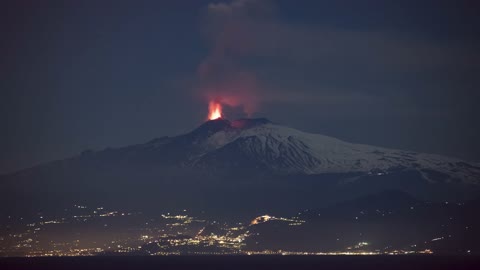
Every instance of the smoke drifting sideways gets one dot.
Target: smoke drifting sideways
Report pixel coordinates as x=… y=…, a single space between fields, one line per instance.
x=222 y=78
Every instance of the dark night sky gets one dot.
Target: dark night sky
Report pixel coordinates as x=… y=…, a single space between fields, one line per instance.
x=87 y=75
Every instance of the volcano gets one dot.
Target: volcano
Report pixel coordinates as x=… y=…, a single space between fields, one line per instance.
x=242 y=165
x=277 y=149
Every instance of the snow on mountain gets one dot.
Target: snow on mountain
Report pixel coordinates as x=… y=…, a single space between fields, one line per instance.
x=254 y=146
x=238 y=163
x=282 y=149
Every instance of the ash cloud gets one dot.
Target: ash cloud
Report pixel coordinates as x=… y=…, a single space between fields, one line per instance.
x=258 y=56
x=228 y=28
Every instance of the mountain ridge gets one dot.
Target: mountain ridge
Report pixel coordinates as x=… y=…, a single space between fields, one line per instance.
x=233 y=166
x=280 y=149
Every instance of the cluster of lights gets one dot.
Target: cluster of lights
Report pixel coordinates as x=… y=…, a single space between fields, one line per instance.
x=230 y=240
x=266 y=218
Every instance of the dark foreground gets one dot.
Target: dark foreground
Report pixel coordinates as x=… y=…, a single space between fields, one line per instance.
x=246 y=262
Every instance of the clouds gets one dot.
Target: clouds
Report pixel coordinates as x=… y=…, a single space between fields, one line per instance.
x=391 y=73
x=384 y=69
x=369 y=53
x=257 y=9
x=221 y=75
x=287 y=61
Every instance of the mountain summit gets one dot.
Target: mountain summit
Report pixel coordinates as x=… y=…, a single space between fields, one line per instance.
x=243 y=143
x=244 y=158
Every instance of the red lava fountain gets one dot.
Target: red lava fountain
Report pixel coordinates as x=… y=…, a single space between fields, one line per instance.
x=214 y=110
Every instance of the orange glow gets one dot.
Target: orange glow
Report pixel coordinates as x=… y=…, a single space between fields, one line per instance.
x=214 y=110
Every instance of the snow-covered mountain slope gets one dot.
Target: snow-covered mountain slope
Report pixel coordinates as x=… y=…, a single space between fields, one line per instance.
x=251 y=146
x=245 y=165
x=260 y=143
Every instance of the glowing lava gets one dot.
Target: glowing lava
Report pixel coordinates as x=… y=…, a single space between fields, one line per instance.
x=214 y=110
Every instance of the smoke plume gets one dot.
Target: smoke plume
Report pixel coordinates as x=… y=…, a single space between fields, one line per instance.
x=228 y=30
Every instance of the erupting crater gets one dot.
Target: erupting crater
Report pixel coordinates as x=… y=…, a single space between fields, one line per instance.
x=214 y=110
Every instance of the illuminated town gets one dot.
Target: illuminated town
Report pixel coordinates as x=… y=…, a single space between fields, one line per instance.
x=93 y=231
